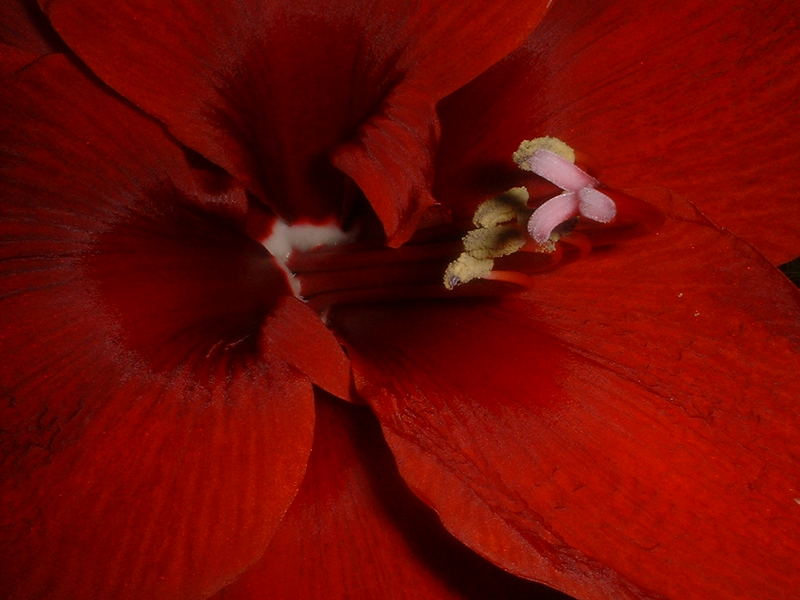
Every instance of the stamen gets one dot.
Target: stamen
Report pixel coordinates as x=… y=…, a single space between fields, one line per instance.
x=551 y=214
x=560 y=172
x=554 y=145
x=580 y=198
x=466 y=268
x=498 y=233
x=501 y=222
x=493 y=242
x=596 y=205
x=508 y=206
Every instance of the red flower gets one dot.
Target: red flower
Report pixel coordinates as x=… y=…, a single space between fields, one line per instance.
x=624 y=428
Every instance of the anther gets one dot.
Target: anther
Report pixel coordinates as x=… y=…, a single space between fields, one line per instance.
x=501 y=222
x=493 y=242
x=580 y=197
x=511 y=205
x=466 y=268
x=528 y=147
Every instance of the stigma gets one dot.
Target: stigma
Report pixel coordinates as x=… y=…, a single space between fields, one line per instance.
x=506 y=224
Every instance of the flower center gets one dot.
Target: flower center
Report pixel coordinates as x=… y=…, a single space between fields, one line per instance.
x=512 y=238
x=327 y=266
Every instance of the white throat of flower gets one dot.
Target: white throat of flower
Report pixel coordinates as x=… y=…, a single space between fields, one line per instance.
x=285 y=239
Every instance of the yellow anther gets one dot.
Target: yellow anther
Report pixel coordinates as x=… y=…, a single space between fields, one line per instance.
x=466 y=268
x=512 y=205
x=493 y=242
x=554 y=145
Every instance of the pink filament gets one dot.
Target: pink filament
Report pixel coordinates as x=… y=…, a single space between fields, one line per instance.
x=596 y=205
x=579 y=198
x=559 y=171
x=551 y=214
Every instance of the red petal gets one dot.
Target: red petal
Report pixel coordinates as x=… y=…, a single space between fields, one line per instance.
x=626 y=431
x=149 y=450
x=269 y=90
x=24 y=27
x=13 y=59
x=25 y=35
x=355 y=531
x=696 y=97
x=295 y=334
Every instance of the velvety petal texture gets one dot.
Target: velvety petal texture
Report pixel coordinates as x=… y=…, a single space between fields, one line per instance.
x=23 y=26
x=152 y=436
x=25 y=35
x=295 y=333
x=696 y=98
x=272 y=90
x=627 y=429
x=355 y=531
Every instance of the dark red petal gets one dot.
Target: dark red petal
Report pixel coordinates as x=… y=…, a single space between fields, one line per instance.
x=355 y=531
x=149 y=450
x=270 y=90
x=25 y=35
x=12 y=59
x=628 y=430
x=23 y=26
x=696 y=97
x=296 y=334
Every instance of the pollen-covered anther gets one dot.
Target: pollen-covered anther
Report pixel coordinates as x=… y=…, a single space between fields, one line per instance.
x=501 y=222
x=552 y=144
x=466 y=268
x=499 y=231
x=511 y=205
x=493 y=242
